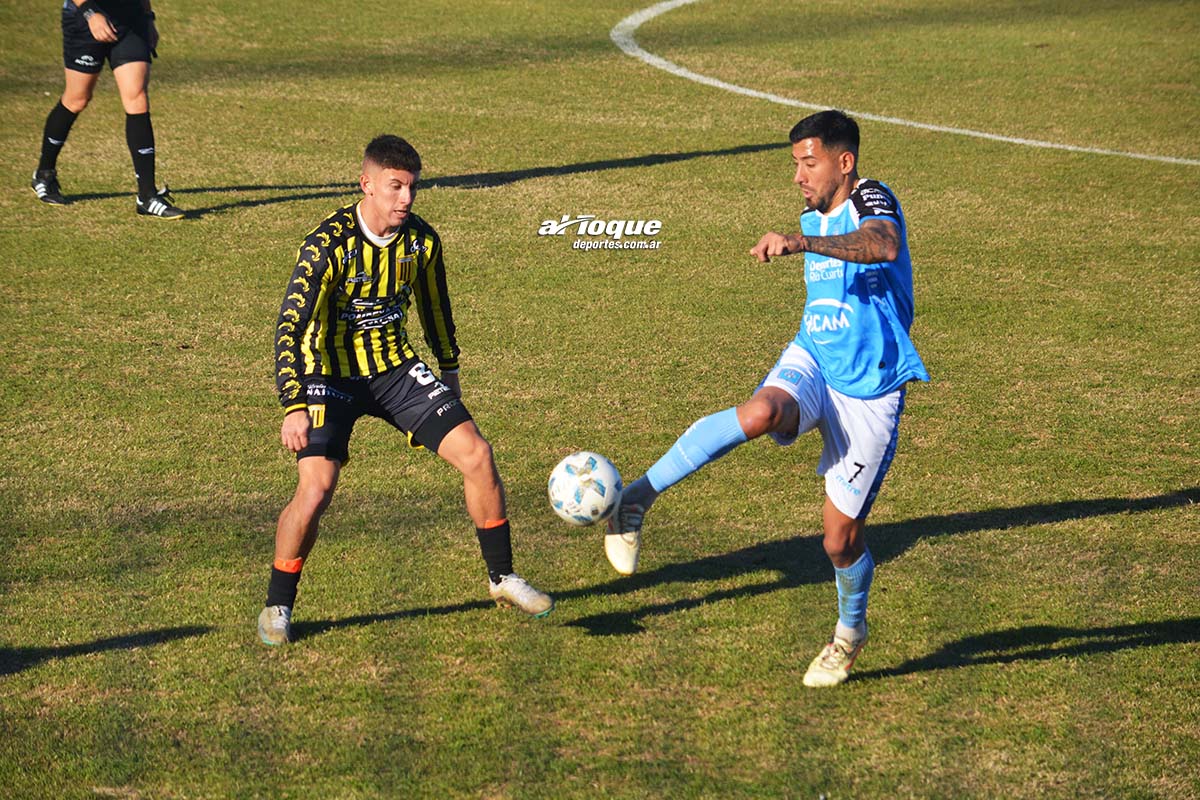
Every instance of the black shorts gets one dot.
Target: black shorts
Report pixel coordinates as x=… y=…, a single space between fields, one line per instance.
x=409 y=397
x=82 y=53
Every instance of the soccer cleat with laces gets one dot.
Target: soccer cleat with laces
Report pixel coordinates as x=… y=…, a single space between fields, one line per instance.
x=513 y=590
x=160 y=205
x=45 y=185
x=832 y=665
x=275 y=625
x=623 y=541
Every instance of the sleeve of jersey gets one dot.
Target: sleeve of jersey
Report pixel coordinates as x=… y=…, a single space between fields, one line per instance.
x=433 y=303
x=302 y=296
x=872 y=199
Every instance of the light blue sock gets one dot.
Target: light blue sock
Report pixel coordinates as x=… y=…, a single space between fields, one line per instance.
x=853 y=583
x=707 y=440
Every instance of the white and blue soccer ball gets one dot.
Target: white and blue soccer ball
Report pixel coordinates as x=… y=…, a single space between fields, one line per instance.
x=585 y=488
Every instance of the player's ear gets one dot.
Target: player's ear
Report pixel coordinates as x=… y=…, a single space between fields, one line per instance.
x=847 y=161
x=364 y=182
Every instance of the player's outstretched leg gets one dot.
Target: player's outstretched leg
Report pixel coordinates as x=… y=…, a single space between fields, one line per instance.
x=706 y=440
x=467 y=451
x=770 y=410
x=853 y=568
x=295 y=536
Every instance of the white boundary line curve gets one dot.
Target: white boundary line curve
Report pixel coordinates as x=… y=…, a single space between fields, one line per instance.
x=622 y=36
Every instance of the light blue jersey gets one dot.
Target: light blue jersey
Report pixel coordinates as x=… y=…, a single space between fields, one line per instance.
x=857 y=316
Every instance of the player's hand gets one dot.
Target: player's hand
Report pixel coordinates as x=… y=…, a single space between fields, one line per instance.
x=774 y=244
x=102 y=30
x=451 y=380
x=294 y=432
x=152 y=32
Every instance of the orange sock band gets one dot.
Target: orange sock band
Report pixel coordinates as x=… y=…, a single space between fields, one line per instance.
x=289 y=565
x=494 y=523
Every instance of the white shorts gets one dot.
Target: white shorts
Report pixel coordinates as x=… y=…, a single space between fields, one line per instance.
x=859 y=435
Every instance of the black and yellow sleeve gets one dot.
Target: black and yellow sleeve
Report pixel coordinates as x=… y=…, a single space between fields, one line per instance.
x=433 y=304
x=304 y=293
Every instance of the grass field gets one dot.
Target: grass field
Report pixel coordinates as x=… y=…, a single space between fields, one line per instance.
x=1036 y=610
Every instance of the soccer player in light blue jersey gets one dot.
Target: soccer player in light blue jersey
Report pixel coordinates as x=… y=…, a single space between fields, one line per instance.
x=843 y=374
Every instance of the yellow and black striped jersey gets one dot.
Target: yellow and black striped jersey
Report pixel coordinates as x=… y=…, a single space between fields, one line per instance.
x=346 y=305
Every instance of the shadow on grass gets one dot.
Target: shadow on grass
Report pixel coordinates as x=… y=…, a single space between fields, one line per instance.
x=801 y=560
x=1043 y=642
x=15 y=659
x=301 y=630
x=479 y=180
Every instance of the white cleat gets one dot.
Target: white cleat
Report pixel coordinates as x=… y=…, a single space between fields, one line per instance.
x=513 y=590
x=275 y=625
x=832 y=666
x=623 y=541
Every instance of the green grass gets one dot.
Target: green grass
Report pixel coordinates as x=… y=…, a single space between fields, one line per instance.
x=1035 y=618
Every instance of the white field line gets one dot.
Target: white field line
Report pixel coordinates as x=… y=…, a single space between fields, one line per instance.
x=622 y=35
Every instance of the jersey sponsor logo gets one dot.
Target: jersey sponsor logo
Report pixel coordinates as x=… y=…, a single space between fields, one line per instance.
x=321 y=391
x=817 y=323
x=877 y=200
x=829 y=269
x=370 y=314
x=351 y=254
x=412 y=247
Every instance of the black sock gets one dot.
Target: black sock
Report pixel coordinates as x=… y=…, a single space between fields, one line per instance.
x=58 y=125
x=139 y=135
x=282 y=589
x=496 y=545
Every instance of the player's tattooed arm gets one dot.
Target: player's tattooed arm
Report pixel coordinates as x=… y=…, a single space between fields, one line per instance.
x=876 y=241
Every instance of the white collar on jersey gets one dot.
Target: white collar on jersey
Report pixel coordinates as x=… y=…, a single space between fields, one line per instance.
x=377 y=240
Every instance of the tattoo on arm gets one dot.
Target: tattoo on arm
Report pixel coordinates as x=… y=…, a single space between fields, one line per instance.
x=876 y=241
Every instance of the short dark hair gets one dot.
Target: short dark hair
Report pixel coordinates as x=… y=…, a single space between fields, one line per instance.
x=392 y=152
x=832 y=127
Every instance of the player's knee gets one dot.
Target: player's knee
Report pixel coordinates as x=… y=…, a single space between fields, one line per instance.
x=138 y=103
x=478 y=459
x=76 y=102
x=313 y=496
x=842 y=544
x=758 y=417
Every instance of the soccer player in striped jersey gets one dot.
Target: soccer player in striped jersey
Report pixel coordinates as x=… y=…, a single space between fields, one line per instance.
x=342 y=351
x=122 y=32
x=844 y=373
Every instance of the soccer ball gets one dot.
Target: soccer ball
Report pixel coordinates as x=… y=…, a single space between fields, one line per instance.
x=584 y=488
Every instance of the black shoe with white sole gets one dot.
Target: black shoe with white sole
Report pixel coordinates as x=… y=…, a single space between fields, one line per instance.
x=160 y=205
x=45 y=185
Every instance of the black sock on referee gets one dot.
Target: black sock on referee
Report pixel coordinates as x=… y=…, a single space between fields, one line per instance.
x=139 y=135
x=54 y=136
x=495 y=542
